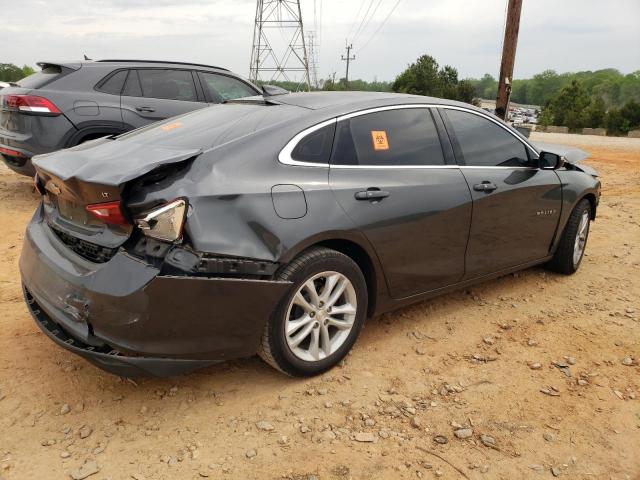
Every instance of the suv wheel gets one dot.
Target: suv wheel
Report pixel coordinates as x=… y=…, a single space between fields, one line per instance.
x=570 y=251
x=317 y=323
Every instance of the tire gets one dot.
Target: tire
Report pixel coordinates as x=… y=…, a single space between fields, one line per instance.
x=570 y=250
x=321 y=267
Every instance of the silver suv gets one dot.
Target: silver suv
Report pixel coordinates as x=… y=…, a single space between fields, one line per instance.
x=68 y=103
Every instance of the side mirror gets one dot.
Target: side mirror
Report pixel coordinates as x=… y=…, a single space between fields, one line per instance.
x=551 y=161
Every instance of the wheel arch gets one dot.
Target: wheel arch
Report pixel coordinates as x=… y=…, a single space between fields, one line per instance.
x=592 y=201
x=91 y=133
x=356 y=249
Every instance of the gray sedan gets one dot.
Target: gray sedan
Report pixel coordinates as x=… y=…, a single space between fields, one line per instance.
x=277 y=224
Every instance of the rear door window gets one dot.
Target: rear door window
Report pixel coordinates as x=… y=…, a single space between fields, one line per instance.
x=485 y=144
x=168 y=84
x=222 y=87
x=400 y=137
x=41 y=78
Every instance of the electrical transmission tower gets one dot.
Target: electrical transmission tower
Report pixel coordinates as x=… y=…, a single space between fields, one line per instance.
x=282 y=56
x=313 y=57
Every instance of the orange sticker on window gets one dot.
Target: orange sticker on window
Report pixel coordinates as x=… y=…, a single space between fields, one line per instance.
x=171 y=126
x=380 y=141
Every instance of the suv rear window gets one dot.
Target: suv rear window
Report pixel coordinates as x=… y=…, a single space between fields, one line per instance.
x=41 y=78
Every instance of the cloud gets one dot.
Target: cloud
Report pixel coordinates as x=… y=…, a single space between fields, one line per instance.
x=565 y=35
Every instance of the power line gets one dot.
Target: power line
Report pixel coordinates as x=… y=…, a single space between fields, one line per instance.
x=381 y=25
x=368 y=21
x=366 y=13
x=357 y=16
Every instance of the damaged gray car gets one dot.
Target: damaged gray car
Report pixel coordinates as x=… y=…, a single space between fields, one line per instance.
x=276 y=224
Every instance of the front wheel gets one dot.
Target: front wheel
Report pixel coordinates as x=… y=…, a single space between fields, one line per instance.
x=317 y=323
x=571 y=248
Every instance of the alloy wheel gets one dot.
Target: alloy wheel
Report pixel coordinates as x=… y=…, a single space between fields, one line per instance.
x=581 y=238
x=320 y=316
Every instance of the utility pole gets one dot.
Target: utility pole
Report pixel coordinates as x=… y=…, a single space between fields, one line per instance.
x=348 y=58
x=279 y=21
x=508 y=58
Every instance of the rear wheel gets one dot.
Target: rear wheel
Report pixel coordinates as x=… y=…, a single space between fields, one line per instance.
x=570 y=251
x=317 y=323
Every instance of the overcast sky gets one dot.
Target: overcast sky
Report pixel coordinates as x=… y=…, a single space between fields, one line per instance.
x=565 y=35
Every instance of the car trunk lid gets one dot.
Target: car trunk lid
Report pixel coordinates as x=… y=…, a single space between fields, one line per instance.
x=73 y=179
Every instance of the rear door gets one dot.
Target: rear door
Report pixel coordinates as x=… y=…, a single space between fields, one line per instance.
x=389 y=174
x=516 y=205
x=153 y=94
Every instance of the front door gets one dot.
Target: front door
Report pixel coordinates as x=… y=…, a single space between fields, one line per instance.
x=516 y=205
x=389 y=175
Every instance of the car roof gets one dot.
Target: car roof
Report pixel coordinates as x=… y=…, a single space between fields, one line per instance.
x=351 y=100
x=75 y=65
x=160 y=62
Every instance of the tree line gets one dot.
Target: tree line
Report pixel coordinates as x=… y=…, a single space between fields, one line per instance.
x=598 y=99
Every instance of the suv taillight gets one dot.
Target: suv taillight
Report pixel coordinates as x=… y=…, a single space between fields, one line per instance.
x=31 y=104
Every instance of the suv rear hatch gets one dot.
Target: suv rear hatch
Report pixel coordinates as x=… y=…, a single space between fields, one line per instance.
x=22 y=107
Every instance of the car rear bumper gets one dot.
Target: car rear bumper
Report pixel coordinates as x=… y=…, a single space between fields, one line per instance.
x=31 y=135
x=19 y=164
x=127 y=318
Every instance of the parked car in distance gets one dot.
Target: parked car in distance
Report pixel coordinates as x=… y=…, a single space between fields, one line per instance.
x=4 y=85
x=68 y=103
x=277 y=224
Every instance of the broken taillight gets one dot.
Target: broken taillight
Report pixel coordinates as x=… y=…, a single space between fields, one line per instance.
x=166 y=222
x=109 y=212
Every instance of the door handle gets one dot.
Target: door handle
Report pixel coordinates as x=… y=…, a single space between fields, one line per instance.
x=485 y=187
x=371 y=194
x=145 y=109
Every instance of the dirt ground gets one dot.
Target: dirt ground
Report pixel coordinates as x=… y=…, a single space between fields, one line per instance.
x=481 y=359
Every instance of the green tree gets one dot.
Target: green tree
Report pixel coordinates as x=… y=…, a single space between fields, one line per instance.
x=12 y=73
x=614 y=122
x=546 y=117
x=425 y=77
x=631 y=113
x=486 y=87
x=594 y=114
x=569 y=104
x=420 y=78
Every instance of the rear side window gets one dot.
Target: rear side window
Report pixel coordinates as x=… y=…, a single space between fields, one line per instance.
x=163 y=84
x=315 y=147
x=41 y=78
x=113 y=83
x=389 y=138
x=222 y=87
x=485 y=144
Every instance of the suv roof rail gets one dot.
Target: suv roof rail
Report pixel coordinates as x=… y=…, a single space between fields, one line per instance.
x=163 y=61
